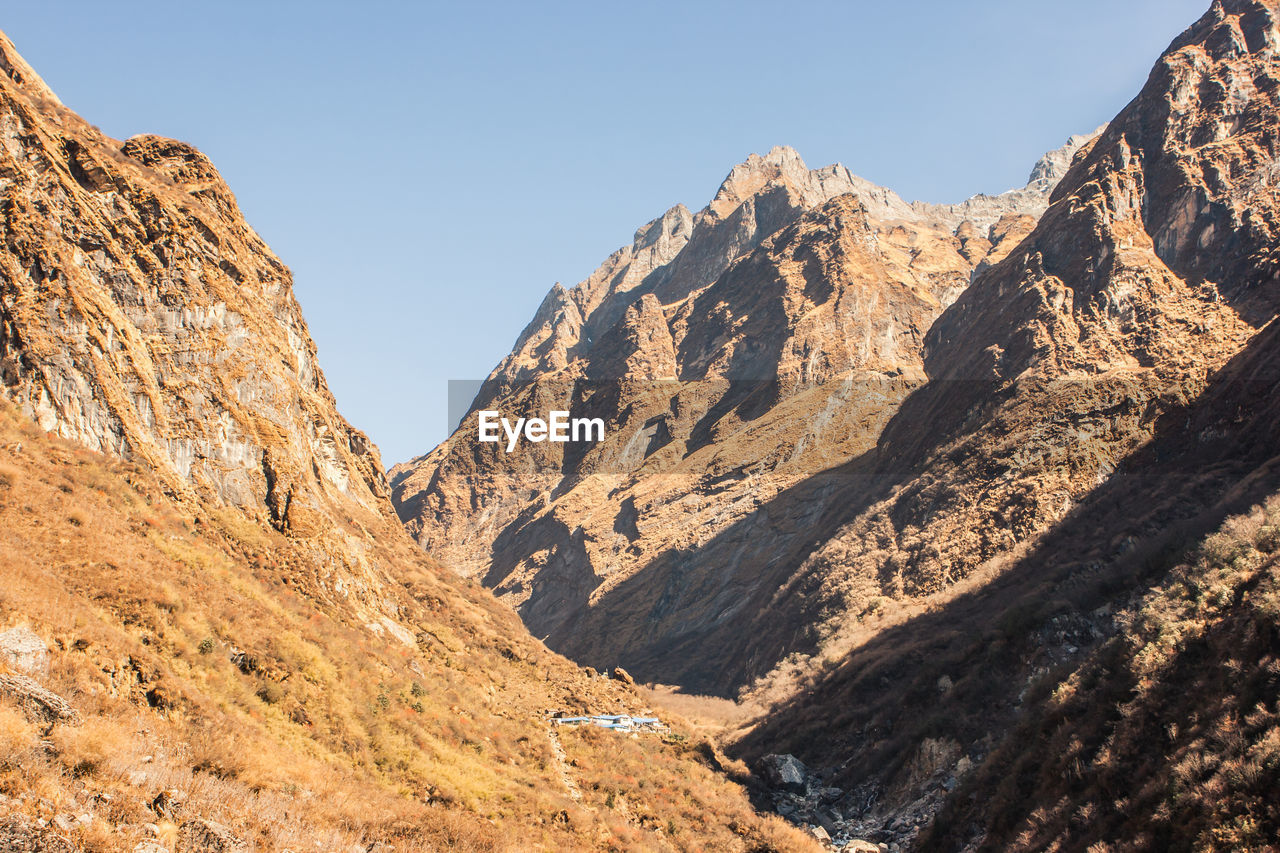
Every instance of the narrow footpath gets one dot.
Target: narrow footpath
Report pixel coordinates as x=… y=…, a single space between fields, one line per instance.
x=562 y=763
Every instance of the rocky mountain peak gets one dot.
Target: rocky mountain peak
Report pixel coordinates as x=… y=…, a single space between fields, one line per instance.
x=781 y=169
x=187 y=167
x=789 y=283
x=744 y=180
x=674 y=226
x=1051 y=168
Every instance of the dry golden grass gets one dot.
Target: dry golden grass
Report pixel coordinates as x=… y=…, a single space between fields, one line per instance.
x=712 y=713
x=664 y=794
x=208 y=655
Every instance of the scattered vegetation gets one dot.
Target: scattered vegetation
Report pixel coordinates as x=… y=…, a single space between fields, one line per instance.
x=207 y=656
x=1114 y=687
x=1168 y=737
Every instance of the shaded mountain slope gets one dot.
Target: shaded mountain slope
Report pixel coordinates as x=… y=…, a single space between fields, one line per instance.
x=1056 y=364
x=1109 y=678
x=748 y=348
x=1070 y=693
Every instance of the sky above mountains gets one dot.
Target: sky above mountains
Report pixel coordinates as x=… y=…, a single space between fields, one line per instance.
x=429 y=170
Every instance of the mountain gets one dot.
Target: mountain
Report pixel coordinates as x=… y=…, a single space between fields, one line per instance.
x=214 y=632
x=1089 y=523
x=734 y=355
x=982 y=516
x=976 y=506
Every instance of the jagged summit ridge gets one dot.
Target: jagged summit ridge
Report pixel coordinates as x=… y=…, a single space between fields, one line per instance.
x=790 y=278
x=680 y=252
x=1052 y=167
x=783 y=164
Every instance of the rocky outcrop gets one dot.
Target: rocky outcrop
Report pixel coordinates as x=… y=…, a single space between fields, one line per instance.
x=785 y=772
x=20 y=836
x=732 y=354
x=140 y=315
x=205 y=836
x=23 y=650
x=36 y=702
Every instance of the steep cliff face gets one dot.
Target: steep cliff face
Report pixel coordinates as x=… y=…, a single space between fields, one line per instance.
x=733 y=355
x=141 y=316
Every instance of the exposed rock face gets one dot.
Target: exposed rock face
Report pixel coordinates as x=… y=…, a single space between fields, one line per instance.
x=23 y=650
x=680 y=253
x=19 y=836
x=141 y=316
x=206 y=836
x=35 y=701
x=733 y=354
x=785 y=772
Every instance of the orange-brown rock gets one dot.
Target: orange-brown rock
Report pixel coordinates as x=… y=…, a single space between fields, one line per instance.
x=733 y=355
x=141 y=316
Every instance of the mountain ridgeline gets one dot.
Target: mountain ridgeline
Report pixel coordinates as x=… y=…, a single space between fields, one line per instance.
x=735 y=356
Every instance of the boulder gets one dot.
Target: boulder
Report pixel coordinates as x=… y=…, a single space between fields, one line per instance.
x=205 y=836
x=785 y=772
x=242 y=660
x=168 y=803
x=18 y=836
x=860 y=845
x=36 y=702
x=23 y=650
x=622 y=675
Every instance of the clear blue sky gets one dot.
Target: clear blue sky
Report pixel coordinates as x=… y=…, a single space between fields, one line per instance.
x=428 y=170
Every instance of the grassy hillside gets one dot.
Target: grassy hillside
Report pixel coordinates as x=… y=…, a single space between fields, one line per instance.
x=192 y=646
